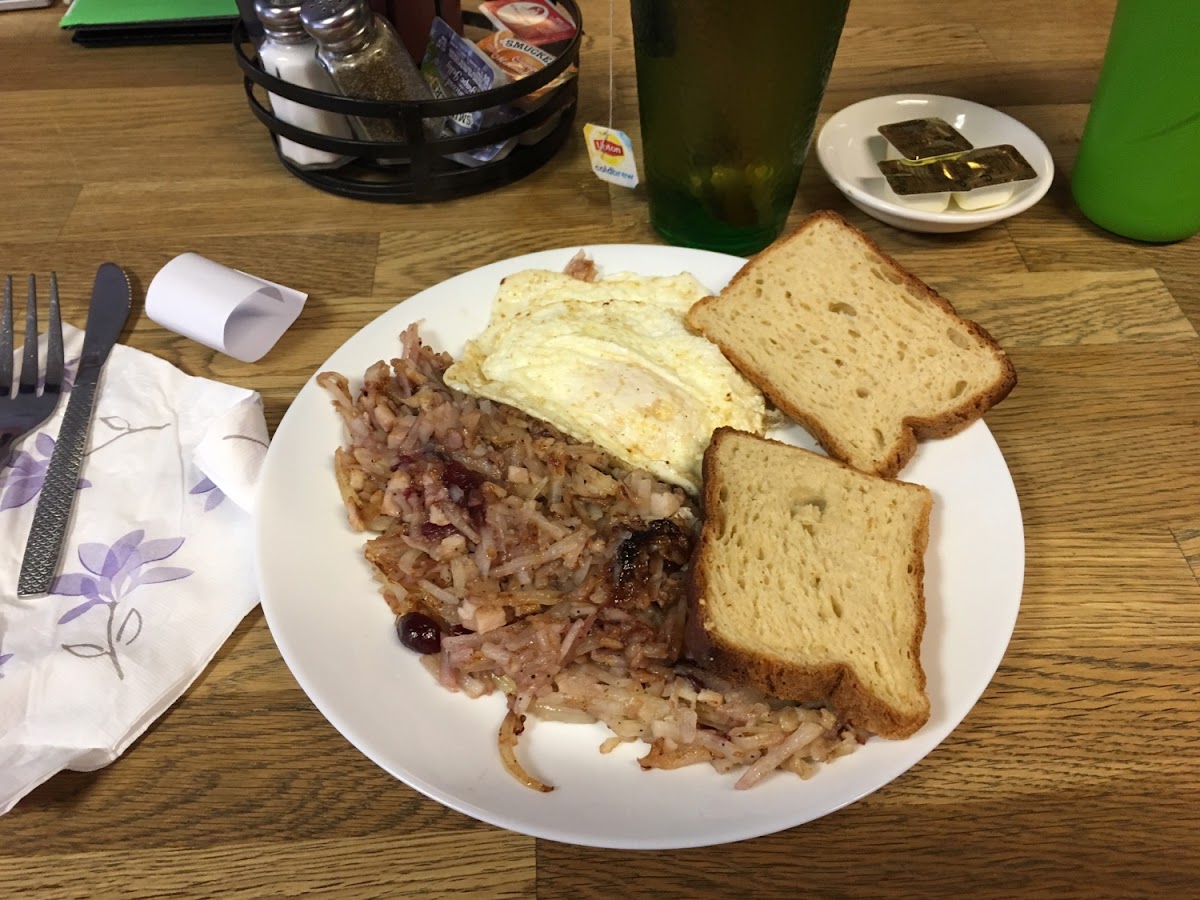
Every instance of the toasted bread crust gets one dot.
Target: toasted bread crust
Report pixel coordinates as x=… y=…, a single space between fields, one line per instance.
x=835 y=680
x=947 y=423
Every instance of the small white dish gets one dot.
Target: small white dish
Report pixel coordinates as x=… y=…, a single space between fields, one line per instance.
x=849 y=148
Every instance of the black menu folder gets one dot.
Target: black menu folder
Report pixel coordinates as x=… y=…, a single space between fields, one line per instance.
x=107 y=23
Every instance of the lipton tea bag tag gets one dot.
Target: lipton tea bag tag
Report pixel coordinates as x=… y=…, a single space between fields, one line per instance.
x=611 y=154
x=609 y=150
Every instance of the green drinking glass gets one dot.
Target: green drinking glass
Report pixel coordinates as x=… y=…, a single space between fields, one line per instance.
x=729 y=94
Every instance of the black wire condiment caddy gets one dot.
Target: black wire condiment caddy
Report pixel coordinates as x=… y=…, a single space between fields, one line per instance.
x=416 y=169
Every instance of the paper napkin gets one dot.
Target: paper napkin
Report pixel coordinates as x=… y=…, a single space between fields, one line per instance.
x=226 y=309
x=155 y=574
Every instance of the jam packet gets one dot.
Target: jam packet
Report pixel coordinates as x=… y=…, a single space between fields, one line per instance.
x=536 y=21
x=520 y=59
x=454 y=67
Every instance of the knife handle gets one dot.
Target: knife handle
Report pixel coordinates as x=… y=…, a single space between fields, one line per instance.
x=57 y=498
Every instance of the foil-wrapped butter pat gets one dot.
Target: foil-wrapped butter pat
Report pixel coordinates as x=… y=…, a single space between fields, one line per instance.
x=925 y=138
x=927 y=203
x=966 y=171
x=930 y=163
x=984 y=197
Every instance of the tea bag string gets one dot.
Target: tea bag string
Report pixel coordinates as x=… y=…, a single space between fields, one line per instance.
x=611 y=4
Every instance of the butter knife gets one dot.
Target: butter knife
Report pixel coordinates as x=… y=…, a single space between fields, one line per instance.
x=107 y=313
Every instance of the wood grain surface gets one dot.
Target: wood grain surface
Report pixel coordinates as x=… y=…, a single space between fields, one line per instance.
x=1078 y=772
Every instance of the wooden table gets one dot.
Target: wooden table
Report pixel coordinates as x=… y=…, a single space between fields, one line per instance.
x=1077 y=774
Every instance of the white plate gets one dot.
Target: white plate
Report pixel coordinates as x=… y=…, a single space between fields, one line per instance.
x=849 y=148
x=337 y=635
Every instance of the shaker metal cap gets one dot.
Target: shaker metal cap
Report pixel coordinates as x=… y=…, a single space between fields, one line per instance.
x=281 y=19
x=338 y=24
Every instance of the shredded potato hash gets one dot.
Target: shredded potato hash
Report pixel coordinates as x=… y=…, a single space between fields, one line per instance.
x=519 y=560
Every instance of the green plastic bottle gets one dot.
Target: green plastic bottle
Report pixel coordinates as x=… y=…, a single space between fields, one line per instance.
x=1138 y=169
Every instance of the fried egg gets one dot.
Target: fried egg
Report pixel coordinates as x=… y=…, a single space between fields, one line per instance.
x=612 y=363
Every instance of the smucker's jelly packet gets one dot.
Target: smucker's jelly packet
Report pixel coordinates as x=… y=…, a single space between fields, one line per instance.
x=536 y=21
x=519 y=59
x=454 y=67
x=924 y=138
x=964 y=171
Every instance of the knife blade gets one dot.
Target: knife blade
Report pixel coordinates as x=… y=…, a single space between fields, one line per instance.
x=107 y=312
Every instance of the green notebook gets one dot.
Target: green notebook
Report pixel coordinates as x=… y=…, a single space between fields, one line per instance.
x=108 y=22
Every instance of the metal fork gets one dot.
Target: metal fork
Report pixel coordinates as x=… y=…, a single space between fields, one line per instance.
x=25 y=410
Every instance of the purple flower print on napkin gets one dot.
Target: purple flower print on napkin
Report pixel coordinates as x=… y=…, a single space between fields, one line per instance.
x=215 y=495
x=112 y=574
x=22 y=479
x=4 y=657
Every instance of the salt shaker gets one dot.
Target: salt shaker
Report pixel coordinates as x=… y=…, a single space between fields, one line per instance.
x=288 y=53
x=365 y=58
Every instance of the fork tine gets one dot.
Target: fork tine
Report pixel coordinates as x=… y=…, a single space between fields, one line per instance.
x=6 y=339
x=29 y=362
x=54 y=344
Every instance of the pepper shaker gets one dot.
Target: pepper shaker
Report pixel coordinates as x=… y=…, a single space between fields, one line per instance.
x=288 y=53
x=365 y=59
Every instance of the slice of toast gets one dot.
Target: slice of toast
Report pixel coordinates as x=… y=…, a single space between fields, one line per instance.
x=807 y=581
x=847 y=343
